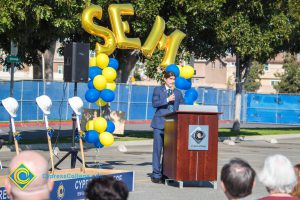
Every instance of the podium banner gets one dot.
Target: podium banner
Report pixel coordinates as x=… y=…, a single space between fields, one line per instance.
x=198 y=137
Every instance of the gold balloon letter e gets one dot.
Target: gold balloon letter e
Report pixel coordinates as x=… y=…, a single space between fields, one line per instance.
x=120 y=27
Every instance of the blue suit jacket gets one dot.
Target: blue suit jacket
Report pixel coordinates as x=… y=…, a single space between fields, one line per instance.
x=159 y=101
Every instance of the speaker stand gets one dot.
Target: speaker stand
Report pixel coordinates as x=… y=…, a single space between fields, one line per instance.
x=74 y=150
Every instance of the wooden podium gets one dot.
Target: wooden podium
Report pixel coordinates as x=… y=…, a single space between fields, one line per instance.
x=180 y=163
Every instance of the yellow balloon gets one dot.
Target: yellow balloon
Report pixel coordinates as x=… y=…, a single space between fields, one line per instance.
x=100 y=102
x=153 y=38
x=109 y=73
x=111 y=86
x=92 y=61
x=187 y=72
x=180 y=69
x=87 y=21
x=89 y=125
x=120 y=27
x=100 y=124
x=102 y=60
x=99 y=82
x=170 y=44
x=106 y=139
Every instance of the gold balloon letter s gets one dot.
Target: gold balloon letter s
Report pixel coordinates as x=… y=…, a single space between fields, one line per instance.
x=87 y=21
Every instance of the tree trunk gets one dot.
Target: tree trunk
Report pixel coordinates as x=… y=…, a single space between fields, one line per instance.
x=48 y=59
x=242 y=71
x=238 y=96
x=127 y=60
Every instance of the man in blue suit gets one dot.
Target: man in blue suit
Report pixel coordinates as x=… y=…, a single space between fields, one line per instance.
x=165 y=99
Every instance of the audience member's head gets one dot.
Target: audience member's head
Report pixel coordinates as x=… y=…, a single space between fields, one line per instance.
x=106 y=188
x=39 y=188
x=278 y=175
x=296 y=191
x=237 y=178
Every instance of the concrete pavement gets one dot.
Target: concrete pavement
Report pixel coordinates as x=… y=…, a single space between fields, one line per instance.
x=139 y=155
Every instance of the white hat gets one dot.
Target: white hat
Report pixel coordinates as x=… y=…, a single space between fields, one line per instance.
x=76 y=104
x=45 y=103
x=11 y=106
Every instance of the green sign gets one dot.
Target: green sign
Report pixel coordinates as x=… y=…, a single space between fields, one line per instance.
x=12 y=59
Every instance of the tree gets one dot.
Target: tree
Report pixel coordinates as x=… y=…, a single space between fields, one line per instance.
x=36 y=26
x=290 y=78
x=252 y=82
x=250 y=30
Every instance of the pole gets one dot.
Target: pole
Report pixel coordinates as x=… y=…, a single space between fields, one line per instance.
x=74 y=118
x=11 y=94
x=43 y=71
x=49 y=143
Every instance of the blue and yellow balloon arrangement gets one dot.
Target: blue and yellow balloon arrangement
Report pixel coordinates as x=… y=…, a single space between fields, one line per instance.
x=101 y=87
x=183 y=81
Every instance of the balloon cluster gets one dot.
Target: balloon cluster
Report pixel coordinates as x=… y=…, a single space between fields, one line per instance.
x=183 y=81
x=102 y=73
x=99 y=132
x=101 y=87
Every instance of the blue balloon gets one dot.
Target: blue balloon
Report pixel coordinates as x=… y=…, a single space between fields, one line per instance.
x=173 y=68
x=92 y=95
x=94 y=71
x=182 y=83
x=113 y=63
x=110 y=127
x=98 y=144
x=188 y=100
x=192 y=93
x=107 y=95
x=91 y=136
x=188 y=84
x=91 y=84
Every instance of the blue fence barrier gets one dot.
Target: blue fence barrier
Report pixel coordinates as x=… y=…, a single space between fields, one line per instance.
x=135 y=102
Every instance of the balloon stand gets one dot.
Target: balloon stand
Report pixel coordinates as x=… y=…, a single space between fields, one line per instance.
x=73 y=152
x=71 y=183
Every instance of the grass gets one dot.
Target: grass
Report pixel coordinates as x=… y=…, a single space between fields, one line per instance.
x=142 y=135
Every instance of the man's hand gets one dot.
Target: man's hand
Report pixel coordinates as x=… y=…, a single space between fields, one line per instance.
x=171 y=97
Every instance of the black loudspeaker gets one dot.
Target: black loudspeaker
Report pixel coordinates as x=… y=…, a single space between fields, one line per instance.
x=76 y=62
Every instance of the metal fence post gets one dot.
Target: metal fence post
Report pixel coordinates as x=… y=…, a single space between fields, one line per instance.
x=38 y=94
x=22 y=90
x=146 y=113
x=129 y=101
x=118 y=98
x=245 y=96
x=67 y=110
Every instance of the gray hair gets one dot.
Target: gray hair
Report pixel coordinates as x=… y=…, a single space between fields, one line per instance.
x=278 y=174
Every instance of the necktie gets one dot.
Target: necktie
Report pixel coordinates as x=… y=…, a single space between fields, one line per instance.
x=171 y=104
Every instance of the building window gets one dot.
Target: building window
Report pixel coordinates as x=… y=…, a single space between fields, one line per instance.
x=60 y=69
x=4 y=68
x=233 y=63
x=195 y=72
x=213 y=65
x=266 y=67
x=274 y=82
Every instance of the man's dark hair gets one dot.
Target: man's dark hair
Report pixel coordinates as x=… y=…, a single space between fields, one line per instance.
x=238 y=178
x=168 y=74
x=106 y=188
